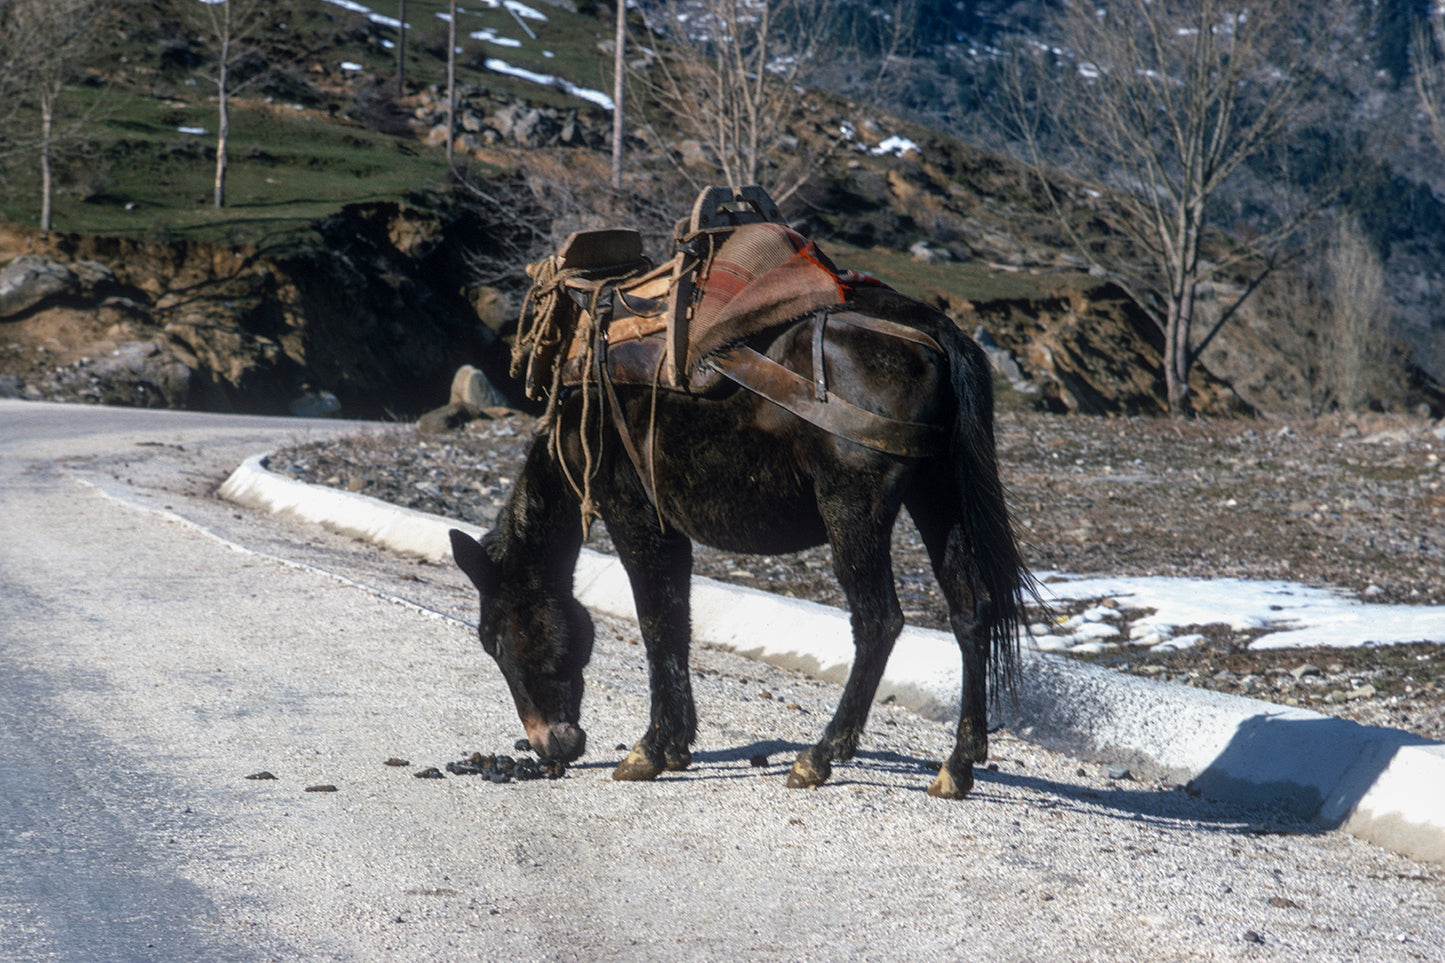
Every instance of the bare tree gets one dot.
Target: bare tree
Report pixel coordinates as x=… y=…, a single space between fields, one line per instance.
x=733 y=82
x=401 y=48
x=1428 y=55
x=1167 y=102
x=228 y=25
x=619 y=89
x=1354 y=345
x=44 y=41
x=451 y=78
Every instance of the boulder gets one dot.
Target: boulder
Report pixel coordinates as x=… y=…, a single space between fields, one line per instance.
x=315 y=403
x=448 y=418
x=141 y=374
x=31 y=279
x=471 y=387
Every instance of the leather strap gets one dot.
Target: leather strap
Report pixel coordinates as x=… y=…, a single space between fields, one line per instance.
x=820 y=370
x=883 y=326
x=619 y=421
x=762 y=375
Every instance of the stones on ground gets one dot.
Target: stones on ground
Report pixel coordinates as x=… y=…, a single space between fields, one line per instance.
x=1118 y=773
x=398 y=763
x=758 y=761
x=263 y=774
x=1305 y=669
x=431 y=772
x=325 y=787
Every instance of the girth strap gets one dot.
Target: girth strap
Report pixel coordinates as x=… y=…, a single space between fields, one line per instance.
x=783 y=387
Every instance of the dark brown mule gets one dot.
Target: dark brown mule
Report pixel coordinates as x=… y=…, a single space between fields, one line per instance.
x=742 y=474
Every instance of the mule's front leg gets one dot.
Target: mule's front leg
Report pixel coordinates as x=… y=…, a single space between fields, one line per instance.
x=659 y=565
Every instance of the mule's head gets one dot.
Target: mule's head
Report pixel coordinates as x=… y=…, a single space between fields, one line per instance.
x=541 y=639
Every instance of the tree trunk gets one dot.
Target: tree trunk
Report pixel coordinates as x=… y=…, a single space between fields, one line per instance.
x=619 y=65
x=223 y=138
x=451 y=78
x=401 y=48
x=47 y=190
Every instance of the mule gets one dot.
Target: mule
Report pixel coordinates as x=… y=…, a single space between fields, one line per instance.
x=739 y=473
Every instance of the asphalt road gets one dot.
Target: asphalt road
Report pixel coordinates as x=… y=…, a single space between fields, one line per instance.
x=158 y=645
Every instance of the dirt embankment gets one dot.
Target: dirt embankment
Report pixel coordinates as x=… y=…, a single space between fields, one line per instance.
x=368 y=314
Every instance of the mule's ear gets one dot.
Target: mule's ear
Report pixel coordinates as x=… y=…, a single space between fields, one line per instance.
x=472 y=559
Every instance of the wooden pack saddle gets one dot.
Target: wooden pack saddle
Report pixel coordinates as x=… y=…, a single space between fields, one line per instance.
x=599 y=312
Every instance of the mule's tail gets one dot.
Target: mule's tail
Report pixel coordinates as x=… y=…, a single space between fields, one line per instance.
x=992 y=548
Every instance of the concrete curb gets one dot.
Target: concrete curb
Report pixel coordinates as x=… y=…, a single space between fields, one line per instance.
x=1382 y=785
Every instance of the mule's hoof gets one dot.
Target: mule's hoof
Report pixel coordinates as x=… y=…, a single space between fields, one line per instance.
x=636 y=768
x=945 y=786
x=807 y=776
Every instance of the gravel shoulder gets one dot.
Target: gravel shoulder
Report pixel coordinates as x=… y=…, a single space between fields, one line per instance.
x=1357 y=505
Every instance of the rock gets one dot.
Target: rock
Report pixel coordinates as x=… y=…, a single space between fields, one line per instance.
x=1300 y=671
x=142 y=374
x=448 y=418
x=31 y=279
x=1120 y=773
x=1002 y=361
x=317 y=403
x=471 y=387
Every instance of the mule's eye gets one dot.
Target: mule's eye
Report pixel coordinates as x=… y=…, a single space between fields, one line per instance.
x=487 y=634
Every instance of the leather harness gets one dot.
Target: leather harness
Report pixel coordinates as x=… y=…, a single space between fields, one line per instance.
x=629 y=323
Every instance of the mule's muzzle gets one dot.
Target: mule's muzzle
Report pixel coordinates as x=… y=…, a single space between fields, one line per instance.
x=561 y=741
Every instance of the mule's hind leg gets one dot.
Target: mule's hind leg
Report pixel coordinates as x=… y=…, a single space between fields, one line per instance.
x=861 y=536
x=941 y=527
x=659 y=565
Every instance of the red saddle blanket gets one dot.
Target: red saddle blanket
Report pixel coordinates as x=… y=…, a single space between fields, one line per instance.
x=762 y=277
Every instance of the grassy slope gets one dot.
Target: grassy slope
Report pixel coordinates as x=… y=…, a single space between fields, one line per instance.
x=290 y=163
x=296 y=160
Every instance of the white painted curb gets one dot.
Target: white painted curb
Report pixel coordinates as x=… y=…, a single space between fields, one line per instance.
x=1382 y=785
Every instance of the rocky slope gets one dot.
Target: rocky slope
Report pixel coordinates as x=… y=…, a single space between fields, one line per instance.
x=368 y=315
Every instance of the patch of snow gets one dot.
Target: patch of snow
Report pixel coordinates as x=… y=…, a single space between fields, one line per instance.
x=595 y=96
x=895 y=145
